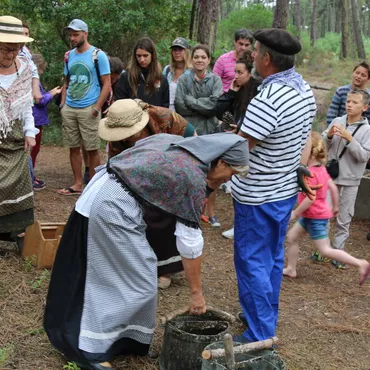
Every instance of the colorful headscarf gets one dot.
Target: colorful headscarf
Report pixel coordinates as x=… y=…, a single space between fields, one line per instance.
x=169 y=172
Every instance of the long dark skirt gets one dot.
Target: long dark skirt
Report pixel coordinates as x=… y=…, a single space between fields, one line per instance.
x=15 y=223
x=161 y=237
x=64 y=305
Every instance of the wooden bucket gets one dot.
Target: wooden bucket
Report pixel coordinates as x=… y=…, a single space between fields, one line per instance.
x=41 y=241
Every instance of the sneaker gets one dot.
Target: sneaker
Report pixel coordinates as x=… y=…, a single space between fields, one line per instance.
x=339 y=265
x=316 y=257
x=38 y=186
x=242 y=318
x=228 y=234
x=39 y=181
x=214 y=221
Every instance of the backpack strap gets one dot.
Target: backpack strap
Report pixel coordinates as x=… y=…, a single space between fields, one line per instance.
x=66 y=59
x=96 y=63
x=345 y=148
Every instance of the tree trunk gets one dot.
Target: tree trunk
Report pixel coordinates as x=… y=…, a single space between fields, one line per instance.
x=194 y=20
x=357 y=30
x=281 y=14
x=297 y=12
x=313 y=22
x=344 y=22
x=203 y=24
x=337 y=22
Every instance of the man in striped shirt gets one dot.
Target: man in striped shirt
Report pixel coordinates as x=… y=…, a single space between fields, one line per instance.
x=360 y=77
x=225 y=65
x=277 y=125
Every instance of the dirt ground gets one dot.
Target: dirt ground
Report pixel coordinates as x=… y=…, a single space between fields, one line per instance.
x=324 y=319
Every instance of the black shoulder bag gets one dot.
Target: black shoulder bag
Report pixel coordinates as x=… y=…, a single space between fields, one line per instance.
x=333 y=165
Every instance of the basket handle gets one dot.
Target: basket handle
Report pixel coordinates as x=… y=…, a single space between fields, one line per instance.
x=182 y=311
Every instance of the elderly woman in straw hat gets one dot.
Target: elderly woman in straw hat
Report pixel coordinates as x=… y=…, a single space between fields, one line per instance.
x=129 y=121
x=103 y=290
x=17 y=131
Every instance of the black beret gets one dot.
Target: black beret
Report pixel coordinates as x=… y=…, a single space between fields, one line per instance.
x=279 y=40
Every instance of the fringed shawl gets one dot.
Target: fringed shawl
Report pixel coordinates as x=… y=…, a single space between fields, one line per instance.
x=165 y=177
x=15 y=100
x=169 y=172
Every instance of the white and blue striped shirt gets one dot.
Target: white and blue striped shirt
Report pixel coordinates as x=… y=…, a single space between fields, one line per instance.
x=280 y=119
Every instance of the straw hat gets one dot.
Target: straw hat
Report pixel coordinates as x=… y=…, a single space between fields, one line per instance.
x=125 y=118
x=11 y=30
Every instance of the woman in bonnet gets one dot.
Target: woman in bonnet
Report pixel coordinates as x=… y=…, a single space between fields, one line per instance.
x=103 y=290
x=17 y=131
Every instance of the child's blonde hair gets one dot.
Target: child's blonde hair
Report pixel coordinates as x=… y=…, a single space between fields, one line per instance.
x=318 y=149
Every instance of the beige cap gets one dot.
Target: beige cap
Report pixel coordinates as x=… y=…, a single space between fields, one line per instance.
x=124 y=119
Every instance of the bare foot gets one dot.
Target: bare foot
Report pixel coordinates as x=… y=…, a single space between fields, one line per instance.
x=290 y=273
x=364 y=271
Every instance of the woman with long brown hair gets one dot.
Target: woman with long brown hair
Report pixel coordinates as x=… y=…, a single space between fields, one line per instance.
x=143 y=78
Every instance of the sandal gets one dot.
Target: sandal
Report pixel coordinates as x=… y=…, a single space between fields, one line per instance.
x=69 y=191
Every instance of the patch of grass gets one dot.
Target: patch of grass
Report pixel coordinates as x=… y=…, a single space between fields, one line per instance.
x=6 y=353
x=37 y=331
x=71 y=366
x=28 y=263
x=43 y=278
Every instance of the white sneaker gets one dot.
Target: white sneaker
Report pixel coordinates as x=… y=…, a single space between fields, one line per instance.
x=229 y=234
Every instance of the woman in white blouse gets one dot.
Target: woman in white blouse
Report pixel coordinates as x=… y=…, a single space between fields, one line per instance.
x=17 y=131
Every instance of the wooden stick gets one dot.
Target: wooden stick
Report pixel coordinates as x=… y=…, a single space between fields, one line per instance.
x=229 y=351
x=244 y=348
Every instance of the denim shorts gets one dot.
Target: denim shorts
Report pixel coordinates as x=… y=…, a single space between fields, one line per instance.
x=317 y=229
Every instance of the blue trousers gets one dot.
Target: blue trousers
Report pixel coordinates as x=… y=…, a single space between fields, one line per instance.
x=259 y=261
